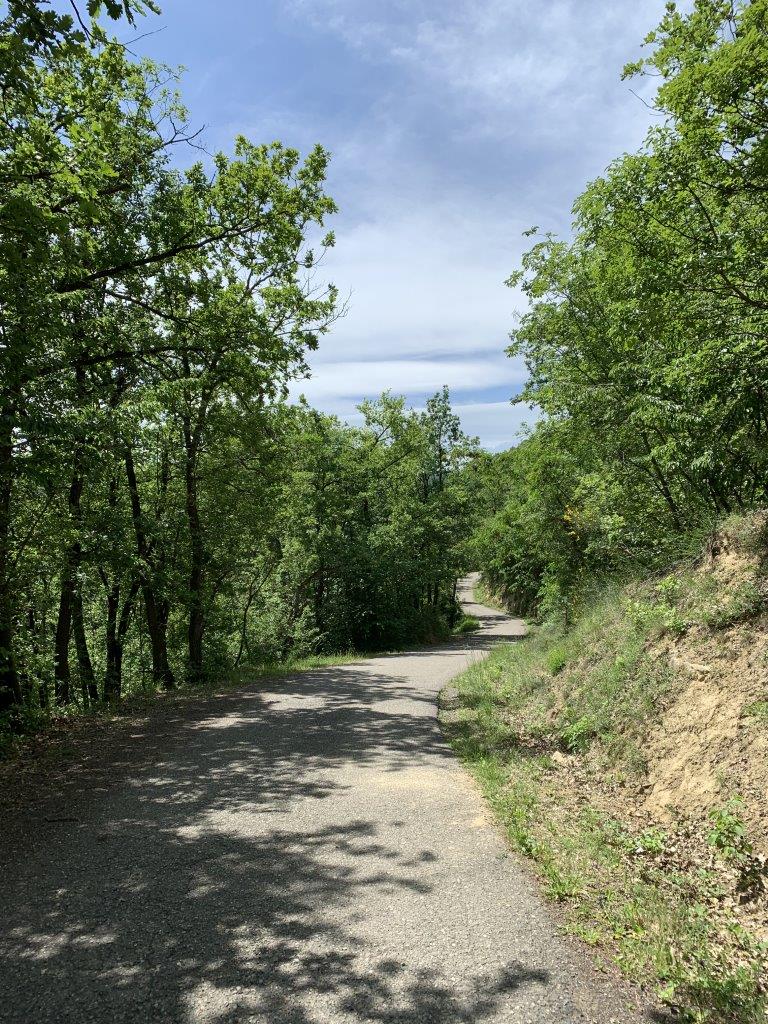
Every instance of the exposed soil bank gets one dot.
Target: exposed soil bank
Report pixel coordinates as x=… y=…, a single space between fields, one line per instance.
x=628 y=757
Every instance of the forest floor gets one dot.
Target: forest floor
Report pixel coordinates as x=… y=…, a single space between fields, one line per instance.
x=303 y=849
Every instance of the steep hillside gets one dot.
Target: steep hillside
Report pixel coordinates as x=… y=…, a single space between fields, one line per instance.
x=628 y=756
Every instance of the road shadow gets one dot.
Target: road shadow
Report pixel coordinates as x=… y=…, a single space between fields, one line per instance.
x=139 y=888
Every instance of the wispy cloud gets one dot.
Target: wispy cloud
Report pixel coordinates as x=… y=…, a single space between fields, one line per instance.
x=499 y=59
x=424 y=280
x=498 y=116
x=499 y=424
x=344 y=382
x=454 y=125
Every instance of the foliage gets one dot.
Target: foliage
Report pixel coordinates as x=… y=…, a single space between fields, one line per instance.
x=466 y=624
x=728 y=833
x=165 y=514
x=645 y=337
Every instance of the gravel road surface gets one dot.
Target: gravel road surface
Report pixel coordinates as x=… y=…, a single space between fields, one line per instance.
x=301 y=851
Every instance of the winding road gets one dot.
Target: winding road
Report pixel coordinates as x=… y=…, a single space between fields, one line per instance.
x=304 y=850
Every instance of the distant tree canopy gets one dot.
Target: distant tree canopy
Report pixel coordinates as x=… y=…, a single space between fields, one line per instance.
x=646 y=336
x=164 y=513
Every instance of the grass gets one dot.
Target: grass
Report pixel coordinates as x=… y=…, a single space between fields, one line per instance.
x=466 y=624
x=482 y=595
x=592 y=692
x=758 y=711
x=244 y=675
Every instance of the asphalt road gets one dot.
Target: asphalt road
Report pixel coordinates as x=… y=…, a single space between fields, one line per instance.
x=301 y=851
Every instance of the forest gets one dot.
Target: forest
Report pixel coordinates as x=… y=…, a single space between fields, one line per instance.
x=166 y=516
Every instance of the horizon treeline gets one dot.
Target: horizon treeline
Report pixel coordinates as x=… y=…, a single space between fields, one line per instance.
x=165 y=514
x=645 y=338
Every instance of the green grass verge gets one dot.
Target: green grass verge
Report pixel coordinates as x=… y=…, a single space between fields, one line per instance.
x=531 y=704
x=466 y=624
x=482 y=595
x=244 y=675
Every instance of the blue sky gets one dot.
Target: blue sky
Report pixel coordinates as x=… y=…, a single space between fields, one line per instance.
x=454 y=125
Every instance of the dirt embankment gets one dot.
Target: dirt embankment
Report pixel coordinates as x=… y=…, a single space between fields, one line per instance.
x=627 y=757
x=710 y=743
x=701 y=744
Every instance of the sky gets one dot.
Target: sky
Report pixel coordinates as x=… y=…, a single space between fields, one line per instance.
x=454 y=125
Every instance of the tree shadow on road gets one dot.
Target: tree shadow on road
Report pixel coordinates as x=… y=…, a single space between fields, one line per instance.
x=150 y=887
x=222 y=927
x=157 y=882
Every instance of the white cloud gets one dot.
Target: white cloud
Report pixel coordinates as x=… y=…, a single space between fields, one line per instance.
x=336 y=386
x=423 y=280
x=454 y=125
x=491 y=116
x=548 y=66
x=428 y=307
x=498 y=424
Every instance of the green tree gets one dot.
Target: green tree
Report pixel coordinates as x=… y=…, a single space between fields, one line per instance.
x=645 y=333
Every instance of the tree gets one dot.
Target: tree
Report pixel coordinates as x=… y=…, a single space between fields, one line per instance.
x=645 y=334
x=113 y=261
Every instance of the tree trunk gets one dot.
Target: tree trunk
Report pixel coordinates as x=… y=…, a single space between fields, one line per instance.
x=243 y=647
x=112 y=680
x=155 y=609
x=71 y=610
x=658 y=478
x=61 y=670
x=320 y=598
x=156 y=613
x=117 y=629
x=196 y=626
x=10 y=687
x=84 y=665
x=35 y=633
